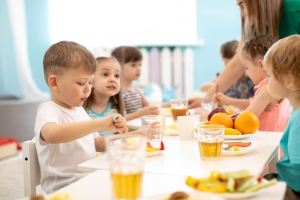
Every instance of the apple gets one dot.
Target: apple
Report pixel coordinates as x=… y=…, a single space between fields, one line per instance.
x=233 y=117
x=214 y=111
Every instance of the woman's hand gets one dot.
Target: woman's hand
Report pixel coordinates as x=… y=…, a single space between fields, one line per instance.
x=194 y=102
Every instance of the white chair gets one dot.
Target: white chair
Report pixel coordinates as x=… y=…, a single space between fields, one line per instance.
x=31 y=168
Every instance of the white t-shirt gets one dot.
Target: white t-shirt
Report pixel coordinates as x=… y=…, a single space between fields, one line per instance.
x=58 y=162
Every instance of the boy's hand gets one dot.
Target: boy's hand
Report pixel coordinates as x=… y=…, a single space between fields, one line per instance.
x=117 y=125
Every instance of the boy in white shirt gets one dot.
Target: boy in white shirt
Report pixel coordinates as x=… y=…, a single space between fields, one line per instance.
x=65 y=134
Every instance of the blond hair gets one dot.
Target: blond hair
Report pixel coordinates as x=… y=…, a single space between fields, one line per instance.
x=116 y=101
x=283 y=59
x=66 y=55
x=266 y=15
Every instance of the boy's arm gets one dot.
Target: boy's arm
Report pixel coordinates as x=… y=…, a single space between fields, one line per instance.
x=61 y=133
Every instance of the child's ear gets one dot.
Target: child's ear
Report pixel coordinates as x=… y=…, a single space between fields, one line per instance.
x=261 y=64
x=289 y=82
x=52 y=80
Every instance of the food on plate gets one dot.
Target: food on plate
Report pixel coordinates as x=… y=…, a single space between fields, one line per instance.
x=162 y=146
x=229 y=182
x=172 y=127
x=247 y=122
x=178 y=195
x=222 y=119
x=214 y=111
x=239 y=144
x=235 y=148
x=61 y=196
x=233 y=117
x=149 y=149
x=204 y=123
x=232 y=131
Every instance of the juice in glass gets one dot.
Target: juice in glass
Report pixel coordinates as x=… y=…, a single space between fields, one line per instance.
x=127 y=186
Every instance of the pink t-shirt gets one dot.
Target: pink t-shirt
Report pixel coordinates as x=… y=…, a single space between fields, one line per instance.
x=277 y=118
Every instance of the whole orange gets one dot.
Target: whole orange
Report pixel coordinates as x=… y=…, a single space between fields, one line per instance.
x=246 y=122
x=222 y=119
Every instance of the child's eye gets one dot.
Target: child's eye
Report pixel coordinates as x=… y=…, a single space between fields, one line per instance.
x=117 y=75
x=105 y=74
x=80 y=83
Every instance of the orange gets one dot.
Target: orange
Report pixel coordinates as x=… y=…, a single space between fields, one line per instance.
x=222 y=119
x=246 y=122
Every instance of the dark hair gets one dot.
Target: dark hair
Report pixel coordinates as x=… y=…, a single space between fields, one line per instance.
x=116 y=101
x=228 y=49
x=67 y=55
x=258 y=46
x=125 y=54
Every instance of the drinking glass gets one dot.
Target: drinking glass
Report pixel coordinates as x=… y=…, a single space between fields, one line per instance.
x=179 y=107
x=126 y=155
x=210 y=139
x=153 y=126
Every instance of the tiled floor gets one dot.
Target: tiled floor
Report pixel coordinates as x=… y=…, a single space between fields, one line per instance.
x=11 y=178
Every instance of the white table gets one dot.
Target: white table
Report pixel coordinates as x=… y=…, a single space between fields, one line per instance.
x=136 y=123
x=182 y=158
x=97 y=185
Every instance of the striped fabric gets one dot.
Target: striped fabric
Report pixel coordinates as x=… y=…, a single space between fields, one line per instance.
x=132 y=99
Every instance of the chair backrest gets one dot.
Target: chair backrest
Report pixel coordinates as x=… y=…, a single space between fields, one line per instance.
x=31 y=168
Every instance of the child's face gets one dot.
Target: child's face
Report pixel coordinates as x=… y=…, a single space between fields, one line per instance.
x=255 y=71
x=107 y=79
x=131 y=71
x=73 y=88
x=276 y=89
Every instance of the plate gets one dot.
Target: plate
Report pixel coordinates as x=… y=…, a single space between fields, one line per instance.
x=166 y=112
x=243 y=150
x=192 y=196
x=171 y=132
x=242 y=195
x=153 y=153
x=236 y=137
x=233 y=195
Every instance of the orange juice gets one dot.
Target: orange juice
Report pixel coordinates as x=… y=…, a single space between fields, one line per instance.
x=127 y=186
x=178 y=112
x=210 y=150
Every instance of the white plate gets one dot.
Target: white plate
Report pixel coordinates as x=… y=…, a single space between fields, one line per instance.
x=236 y=137
x=171 y=132
x=165 y=112
x=192 y=196
x=233 y=195
x=153 y=153
x=242 y=150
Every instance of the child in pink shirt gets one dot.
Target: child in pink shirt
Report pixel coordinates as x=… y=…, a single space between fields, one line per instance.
x=272 y=113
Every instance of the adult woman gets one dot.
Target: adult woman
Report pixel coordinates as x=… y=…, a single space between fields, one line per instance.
x=278 y=18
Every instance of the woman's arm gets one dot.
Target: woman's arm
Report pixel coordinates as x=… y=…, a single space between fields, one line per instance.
x=231 y=73
x=206 y=86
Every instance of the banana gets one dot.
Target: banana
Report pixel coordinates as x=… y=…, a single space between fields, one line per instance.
x=232 y=131
x=204 y=122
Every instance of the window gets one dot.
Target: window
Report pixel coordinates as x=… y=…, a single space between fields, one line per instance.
x=110 y=23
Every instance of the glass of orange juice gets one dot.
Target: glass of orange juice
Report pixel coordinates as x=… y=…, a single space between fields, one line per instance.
x=179 y=107
x=210 y=140
x=126 y=155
